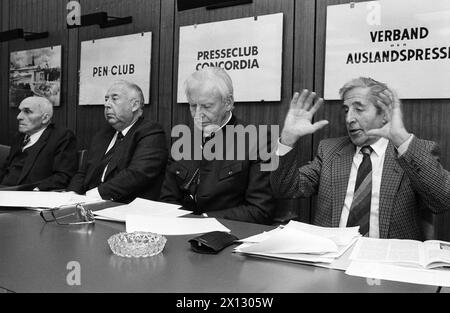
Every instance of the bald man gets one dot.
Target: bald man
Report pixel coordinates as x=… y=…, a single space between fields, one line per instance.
x=43 y=157
x=127 y=158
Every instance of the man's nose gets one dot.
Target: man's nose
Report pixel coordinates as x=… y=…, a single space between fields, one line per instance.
x=107 y=103
x=350 y=117
x=199 y=112
x=19 y=116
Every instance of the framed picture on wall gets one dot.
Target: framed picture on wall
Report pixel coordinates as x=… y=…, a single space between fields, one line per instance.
x=35 y=72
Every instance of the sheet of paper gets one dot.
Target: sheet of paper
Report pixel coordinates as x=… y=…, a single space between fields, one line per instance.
x=434 y=277
x=340 y=235
x=329 y=260
x=141 y=207
x=44 y=199
x=290 y=240
x=260 y=237
x=173 y=226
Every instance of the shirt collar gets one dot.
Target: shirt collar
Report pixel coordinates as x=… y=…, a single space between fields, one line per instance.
x=35 y=137
x=379 y=147
x=126 y=129
x=215 y=131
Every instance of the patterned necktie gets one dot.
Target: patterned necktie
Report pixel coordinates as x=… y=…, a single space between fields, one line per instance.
x=360 y=208
x=26 y=140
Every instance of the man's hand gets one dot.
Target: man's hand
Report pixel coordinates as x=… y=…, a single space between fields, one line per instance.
x=298 y=119
x=394 y=130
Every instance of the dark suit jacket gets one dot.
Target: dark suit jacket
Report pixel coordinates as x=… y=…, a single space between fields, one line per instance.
x=51 y=163
x=231 y=189
x=412 y=182
x=136 y=168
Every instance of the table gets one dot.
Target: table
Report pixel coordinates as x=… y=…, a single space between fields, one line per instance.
x=34 y=256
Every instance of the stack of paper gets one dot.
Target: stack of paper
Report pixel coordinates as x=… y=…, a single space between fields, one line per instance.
x=140 y=207
x=300 y=242
x=42 y=199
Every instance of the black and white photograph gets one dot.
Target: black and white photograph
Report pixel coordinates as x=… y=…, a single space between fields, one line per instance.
x=225 y=155
x=35 y=72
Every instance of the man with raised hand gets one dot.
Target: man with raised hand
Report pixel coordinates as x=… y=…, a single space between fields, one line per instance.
x=379 y=177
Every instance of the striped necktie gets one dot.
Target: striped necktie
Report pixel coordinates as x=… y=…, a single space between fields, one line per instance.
x=360 y=208
x=25 y=141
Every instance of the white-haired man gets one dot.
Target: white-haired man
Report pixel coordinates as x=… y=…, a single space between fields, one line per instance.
x=219 y=187
x=44 y=157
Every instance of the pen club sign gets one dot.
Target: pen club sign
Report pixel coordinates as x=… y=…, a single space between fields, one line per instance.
x=104 y=61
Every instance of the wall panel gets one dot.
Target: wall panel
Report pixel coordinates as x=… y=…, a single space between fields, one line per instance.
x=38 y=16
x=425 y=118
x=4 y=21
x=253 y=112
x=146 y=17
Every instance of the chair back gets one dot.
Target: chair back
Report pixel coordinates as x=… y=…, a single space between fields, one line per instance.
x=4 y=152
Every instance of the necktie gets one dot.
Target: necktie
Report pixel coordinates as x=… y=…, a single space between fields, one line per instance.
x=26 y=140
x=119 y=139
x=360 y=208
x=100 y=170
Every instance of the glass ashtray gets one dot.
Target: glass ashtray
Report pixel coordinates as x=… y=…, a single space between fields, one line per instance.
x=136 y=244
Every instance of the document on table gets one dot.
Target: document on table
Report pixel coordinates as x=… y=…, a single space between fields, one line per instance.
x=409 y=261
x=414 y=275
x=173 y=226
x=300 y=242
x=428 y=254
x=141 y=207
x=42 y=199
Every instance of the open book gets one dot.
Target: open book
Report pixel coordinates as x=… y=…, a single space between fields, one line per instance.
x=428 y=254
x=300 y=242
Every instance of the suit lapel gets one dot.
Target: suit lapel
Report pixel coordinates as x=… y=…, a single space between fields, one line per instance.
x=117 y=156
x=341 y=167
x=34 y=152
x=390 y=180
x=97 y=155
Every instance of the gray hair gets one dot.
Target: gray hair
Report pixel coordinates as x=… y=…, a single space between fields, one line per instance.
x=137 y=91
x=216 y=77
x=43 y=103
x=375 y=87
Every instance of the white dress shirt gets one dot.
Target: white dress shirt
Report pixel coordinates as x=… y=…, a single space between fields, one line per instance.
x=93 y=193
x=377 y=159
x=34 y=138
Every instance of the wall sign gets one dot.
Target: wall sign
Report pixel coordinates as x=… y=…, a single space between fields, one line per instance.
x=404 y=43
x=249 y=49
x=104 y=61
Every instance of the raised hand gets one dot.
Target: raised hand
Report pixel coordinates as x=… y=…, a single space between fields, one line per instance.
x=298 y=120
x=394 y=130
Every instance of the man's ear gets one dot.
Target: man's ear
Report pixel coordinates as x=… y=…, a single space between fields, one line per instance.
x=45 y=118
x=135 y=105
x=229 y=103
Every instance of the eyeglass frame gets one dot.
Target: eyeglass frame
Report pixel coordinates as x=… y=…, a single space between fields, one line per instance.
x=79 y=208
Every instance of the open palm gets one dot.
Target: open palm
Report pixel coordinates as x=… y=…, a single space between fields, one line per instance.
x=394 y=130
x=298 y=120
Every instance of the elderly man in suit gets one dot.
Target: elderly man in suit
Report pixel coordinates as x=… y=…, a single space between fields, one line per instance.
x=127 y=158
x=379 y=177
x=44 y=157
x=224 y=187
